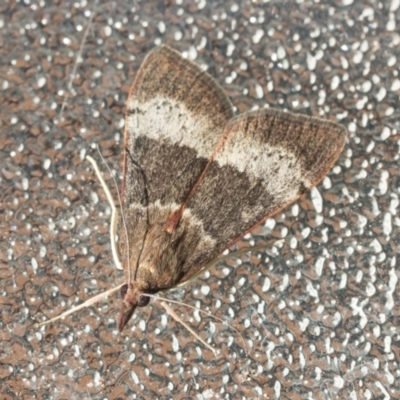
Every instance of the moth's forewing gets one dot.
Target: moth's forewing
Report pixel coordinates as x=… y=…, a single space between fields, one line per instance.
x=268 y=158
x=176 y=114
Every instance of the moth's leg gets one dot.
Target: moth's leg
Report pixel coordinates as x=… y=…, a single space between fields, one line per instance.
x=87 y=303
x=114 y=214
x=172 y=313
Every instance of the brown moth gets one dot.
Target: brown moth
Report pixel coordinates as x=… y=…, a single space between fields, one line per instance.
x=197 y=178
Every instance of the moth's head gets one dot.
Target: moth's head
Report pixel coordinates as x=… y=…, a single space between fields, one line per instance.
x=132 y=297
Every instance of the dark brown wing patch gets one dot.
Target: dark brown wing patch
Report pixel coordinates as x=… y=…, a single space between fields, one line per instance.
x=176 y=114
x=267 y=160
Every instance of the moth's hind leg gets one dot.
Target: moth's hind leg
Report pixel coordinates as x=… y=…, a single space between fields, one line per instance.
x=114 y=213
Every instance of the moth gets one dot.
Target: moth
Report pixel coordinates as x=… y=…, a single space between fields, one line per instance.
x=197 y=178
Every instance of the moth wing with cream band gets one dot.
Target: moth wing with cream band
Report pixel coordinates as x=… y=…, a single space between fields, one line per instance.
x=196 y=178
x=265 y=161
x=174 y=109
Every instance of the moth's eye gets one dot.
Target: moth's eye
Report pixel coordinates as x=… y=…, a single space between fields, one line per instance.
x=123 y=290
x=143 y=301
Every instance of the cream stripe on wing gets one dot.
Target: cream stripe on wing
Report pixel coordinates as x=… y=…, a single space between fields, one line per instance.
x=174 y=123
x=261 y=161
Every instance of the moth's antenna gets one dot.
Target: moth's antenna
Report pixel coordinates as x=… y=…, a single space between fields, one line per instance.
x=114 y=214
x=163 y=299
x=113 y=227
x=87 y=303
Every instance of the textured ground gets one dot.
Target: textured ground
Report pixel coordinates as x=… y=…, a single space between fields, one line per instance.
x=319 y=313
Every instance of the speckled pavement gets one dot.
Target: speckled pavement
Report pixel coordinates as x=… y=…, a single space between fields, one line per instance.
x=319 y=312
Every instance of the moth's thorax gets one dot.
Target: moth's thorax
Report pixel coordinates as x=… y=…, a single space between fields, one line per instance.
x=156 y=256
x=153 y=261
